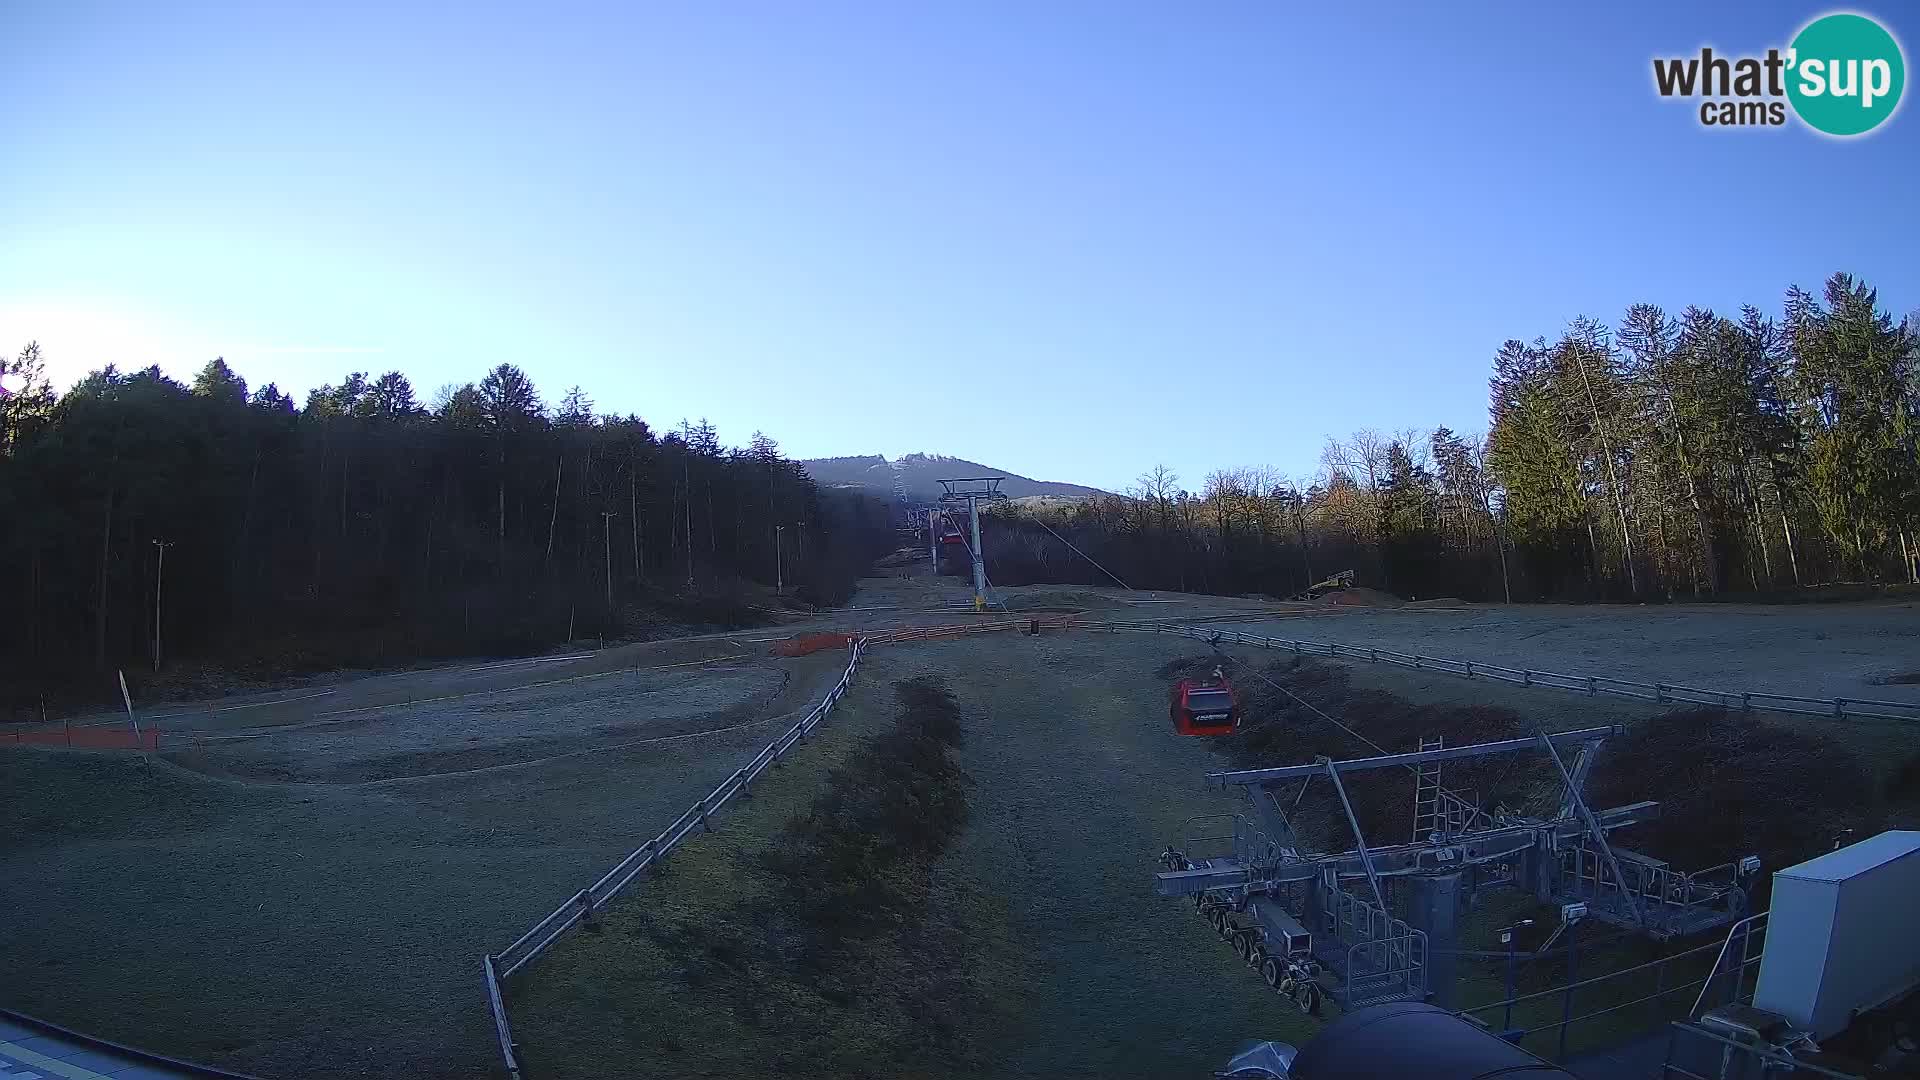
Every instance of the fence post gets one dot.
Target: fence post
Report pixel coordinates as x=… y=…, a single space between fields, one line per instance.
x=1659 y=989
x=1419 y=662
x=1660 y=693
x=1840 y=707
x=1469 y=664
x=1526 y=677
x=1573 y=979
x=1593 y=686
x=586 y=907
x=702 y=807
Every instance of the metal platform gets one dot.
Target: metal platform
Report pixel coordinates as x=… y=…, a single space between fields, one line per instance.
x=1384 y=920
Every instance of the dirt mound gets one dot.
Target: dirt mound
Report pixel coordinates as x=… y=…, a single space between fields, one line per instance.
x=1361 y=596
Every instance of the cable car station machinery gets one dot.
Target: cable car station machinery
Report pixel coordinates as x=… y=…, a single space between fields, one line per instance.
x=1291 y=913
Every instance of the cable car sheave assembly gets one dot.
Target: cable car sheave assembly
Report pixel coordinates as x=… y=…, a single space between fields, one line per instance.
x=1292 y=914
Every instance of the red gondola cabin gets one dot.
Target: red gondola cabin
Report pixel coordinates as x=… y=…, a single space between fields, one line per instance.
x=1204 y=707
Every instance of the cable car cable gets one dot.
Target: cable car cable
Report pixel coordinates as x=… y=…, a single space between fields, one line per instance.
x=1309 y=706
x=1302 y=702
x=1084 y=555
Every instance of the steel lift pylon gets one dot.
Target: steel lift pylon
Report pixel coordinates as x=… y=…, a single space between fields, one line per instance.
x=1293 y=914
x=974 y=490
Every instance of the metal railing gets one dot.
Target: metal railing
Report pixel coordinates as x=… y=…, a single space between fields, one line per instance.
x=1733 y=1059
x=1386 y=958
x=1751 y=934
x=1390 y=969
x=1243 y=841
x=1659 y=987
x=582 y=905
x=1590 y=685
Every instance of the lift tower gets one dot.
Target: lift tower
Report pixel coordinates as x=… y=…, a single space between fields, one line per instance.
x=974 y=490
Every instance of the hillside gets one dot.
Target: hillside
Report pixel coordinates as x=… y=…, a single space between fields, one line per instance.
x=916 y=477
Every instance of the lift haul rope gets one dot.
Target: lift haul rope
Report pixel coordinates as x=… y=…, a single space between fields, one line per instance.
x=1302 y=702
x=1084 y=555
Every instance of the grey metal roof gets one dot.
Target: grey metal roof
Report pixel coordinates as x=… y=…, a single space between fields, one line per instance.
x=1855 y=859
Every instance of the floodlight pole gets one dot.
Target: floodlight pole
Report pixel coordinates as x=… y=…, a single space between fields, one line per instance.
x=779 y=581
x=159 y=578
x=606 y=529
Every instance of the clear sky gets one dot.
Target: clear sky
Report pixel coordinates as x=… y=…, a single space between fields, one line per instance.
x=1068 y=239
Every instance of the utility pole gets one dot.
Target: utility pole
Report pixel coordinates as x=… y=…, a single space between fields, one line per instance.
x=779 y=580
x=933 y=541
x=159 y=578
x=606 y=523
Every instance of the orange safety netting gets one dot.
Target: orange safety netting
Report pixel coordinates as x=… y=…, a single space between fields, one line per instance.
x=811 y=643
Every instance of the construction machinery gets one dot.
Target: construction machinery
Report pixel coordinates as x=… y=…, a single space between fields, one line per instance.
x=1341 y=580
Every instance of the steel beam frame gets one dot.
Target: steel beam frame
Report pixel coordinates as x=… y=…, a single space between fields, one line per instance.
x=1501 y=844
x=1419 y=757
x=1594 y=830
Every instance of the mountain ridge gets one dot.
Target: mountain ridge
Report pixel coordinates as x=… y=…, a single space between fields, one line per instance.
x=916 y=476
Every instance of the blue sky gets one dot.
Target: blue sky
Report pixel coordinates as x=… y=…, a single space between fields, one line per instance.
x=1069 y=239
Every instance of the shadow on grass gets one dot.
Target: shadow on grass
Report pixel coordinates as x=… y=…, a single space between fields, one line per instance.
x=829 y=950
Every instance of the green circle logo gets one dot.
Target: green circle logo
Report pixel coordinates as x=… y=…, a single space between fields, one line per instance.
x=1845 y=74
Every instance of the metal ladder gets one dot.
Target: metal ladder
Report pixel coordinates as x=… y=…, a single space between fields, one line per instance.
x=1427 y=814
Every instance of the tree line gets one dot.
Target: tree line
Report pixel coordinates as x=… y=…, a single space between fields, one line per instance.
x=1667 y=457
x=149 y=520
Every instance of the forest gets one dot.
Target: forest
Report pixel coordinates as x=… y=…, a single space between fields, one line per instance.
x=1667 y=457
x=207 y=531
x=203 y=536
